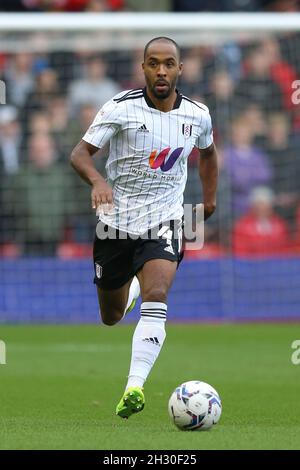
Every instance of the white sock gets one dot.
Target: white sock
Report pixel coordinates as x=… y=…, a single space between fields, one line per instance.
x=134 y=292
x=147 y=342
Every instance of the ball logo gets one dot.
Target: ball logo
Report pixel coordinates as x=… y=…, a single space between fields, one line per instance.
x=161 y=161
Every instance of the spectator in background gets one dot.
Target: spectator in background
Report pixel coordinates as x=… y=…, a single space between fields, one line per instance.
x=257 y=86
x=281 y=5
x=53 y=120
x=19 y=78
x=281 y=71
x=116 y=5
x=148 y=5
x=283 y=150
x=297 y=237
x=10 y=142
x=43 y=198
x=96 y=6
x=46 y=87
x=220 y=101
x=136 y=73
x=216 y=228
x=83 y=220
x=95 y=87
x=63 y=5
x=39 y=123
x=58 y=112
x=191 y=83
x=42 y=5
x=99 y=6
x=216 y=5
x=20 y=5
x=260 y=231
x=246 y=165
x=152 y=5
x=289 y=47
x=77 y=127
x=256 y=121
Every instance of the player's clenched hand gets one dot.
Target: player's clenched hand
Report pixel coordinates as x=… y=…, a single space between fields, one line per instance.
x=205 y=210
x=209 y=209
x=102 y=195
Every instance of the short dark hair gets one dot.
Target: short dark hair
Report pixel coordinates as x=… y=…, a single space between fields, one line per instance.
x=161 y=38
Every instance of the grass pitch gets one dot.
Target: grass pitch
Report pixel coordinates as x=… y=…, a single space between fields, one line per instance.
x=61 y=384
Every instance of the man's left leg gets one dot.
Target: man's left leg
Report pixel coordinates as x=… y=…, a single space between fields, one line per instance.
x=155 y=278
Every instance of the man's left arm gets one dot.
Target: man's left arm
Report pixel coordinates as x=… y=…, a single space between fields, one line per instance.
x=208 y=171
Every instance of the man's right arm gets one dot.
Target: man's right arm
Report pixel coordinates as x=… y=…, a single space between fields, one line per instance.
x=82 y=162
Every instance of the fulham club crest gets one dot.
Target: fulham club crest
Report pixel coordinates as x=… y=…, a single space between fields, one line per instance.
x=187 y=130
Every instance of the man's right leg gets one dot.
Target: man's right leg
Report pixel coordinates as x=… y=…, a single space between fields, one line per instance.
x=112 y=303
x=115 y=303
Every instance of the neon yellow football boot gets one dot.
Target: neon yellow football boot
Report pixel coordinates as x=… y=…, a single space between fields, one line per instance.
x=133 y=401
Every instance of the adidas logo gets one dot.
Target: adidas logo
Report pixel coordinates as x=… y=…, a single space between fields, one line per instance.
x=143 y=128
x=152 y=340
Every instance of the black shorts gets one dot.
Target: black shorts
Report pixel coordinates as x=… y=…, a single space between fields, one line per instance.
x=117 y=260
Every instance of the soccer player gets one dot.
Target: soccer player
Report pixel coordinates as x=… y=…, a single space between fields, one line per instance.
x=151 y=132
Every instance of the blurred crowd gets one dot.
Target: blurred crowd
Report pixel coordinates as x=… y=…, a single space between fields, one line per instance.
x=148 y=5
x=53 y=97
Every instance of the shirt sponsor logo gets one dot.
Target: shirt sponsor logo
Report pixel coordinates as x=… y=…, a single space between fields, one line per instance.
x=161 y=161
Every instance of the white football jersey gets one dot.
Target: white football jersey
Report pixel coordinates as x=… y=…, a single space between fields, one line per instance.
x=147 y=163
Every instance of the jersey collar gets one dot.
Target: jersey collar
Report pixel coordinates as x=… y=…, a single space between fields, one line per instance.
x=152 y=105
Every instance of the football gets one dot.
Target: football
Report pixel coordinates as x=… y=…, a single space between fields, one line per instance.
x=195 y=405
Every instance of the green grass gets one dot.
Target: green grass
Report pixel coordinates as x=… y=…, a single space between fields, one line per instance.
x=61 y=384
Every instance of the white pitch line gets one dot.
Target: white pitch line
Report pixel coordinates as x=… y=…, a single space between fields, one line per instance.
x=64 y=348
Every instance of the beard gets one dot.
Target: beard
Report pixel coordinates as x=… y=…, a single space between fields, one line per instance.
x=162 y=95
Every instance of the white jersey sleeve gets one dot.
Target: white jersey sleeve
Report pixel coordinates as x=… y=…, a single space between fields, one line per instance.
x=205 y=139
x=105 y=125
